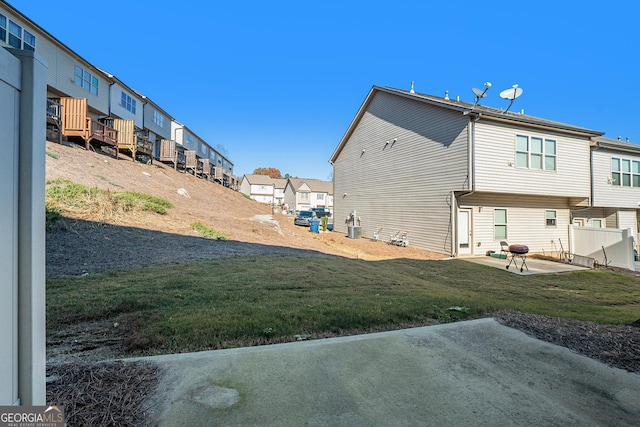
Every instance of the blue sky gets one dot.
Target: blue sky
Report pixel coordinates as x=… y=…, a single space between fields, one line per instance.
x=277 y=83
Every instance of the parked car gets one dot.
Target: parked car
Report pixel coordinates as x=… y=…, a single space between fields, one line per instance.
x=320 y=212
x=304 y=218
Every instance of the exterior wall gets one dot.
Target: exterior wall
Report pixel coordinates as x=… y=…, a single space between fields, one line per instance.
x=403 y=185
x=496 y=171
x=163 y=132
x=203 y=149
x=604 y=192
x=278 y=196
x=303 y=198
x=61 y=67
x=526 y=221
x=120 y=111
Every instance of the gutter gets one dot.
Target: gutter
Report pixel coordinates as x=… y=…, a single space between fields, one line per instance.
x=471 y=153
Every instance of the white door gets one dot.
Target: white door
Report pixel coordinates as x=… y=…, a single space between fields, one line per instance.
x=464 y=232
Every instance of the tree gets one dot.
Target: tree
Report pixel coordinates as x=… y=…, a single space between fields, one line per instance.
x=272 y=172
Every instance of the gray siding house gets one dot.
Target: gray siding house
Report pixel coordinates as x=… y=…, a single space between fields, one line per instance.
x=459 y=178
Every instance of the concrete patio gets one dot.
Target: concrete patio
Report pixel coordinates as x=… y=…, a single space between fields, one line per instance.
x=536 y=265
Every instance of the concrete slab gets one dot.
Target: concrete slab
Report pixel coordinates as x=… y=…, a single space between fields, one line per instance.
x=476 y=373
x=536 y=265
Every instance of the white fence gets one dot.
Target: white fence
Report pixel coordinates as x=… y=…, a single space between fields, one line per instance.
x=23 y=90
x=608 y=246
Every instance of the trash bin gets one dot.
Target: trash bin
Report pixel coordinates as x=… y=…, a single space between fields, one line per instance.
x=313 y=225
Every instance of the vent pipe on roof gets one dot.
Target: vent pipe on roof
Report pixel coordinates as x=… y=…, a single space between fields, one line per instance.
x=412 y=90
x=446 y=95
x=627 y=139
x=619 y=138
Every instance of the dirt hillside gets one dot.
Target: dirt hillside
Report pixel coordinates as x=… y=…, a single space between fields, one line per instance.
x=90 y=242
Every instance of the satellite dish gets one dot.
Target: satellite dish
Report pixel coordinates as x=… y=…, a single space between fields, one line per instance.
x=479 y=93
x=511 y=94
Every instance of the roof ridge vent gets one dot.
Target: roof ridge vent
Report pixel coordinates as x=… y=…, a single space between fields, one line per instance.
x=446 y=95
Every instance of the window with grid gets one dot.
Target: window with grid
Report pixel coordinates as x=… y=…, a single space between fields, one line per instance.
x=85 y=80
x=15 y=35
x=3 y=28
x=127 y=102
x=158 y=119
x=625 y=172
x=28 y=41
x=551 y=218
x=533 y=152
x=500 y=224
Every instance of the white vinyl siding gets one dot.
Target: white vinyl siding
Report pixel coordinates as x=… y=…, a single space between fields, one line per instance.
x=614 y=176
x=505 y=157
x=526 y=221
x=406 y=184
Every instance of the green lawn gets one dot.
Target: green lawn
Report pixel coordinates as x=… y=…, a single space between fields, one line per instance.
x=262 y=299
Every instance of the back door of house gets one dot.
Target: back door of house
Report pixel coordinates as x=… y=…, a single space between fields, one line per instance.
x=464 y=232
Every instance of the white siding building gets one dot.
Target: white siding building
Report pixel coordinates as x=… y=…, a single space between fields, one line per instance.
x=303 y=193
x=459 y=178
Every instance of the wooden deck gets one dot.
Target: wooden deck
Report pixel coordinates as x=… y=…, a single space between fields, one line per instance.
x=191 y=161
x=129 y=140
x=77 y=123
x=170 y=153
x=204 y=167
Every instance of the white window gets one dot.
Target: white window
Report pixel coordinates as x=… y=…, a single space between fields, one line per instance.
x=596 y=223
x=551 y=218
x=128 y=103
x=15 y=35
x=29 y=41
x=85 y=80
x=3 y=28
x=203 y=149
x=304 y=196
x=190 y=141
x=625 y=172
x=320 y=196
x=500 y=224
x=535 y=153
x=158 y=119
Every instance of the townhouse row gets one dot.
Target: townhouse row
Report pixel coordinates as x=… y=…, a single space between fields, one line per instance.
x=297 y=194
x=90 y=106
x=460 y=178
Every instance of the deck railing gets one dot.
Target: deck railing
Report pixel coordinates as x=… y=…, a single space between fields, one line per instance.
x=54 y=110
x=102 y=132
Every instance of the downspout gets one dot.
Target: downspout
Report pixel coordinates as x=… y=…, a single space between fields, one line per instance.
x=471 y=153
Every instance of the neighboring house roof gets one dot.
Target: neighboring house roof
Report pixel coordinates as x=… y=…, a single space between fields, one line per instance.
x=617 y=145
x=315 y=185
x=280 y=183
x=465 y=108
x=259 y=179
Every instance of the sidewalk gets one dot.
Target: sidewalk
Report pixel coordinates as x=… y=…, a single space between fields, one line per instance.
x=476 y=373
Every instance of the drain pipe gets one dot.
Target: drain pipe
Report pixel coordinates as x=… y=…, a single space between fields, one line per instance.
x=471 y=153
